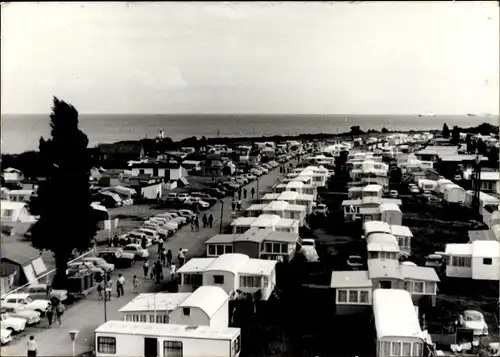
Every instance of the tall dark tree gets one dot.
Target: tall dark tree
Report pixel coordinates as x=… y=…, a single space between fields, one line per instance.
x=455 y=135
x=469 y=143
x=67 y=220
x=446 y=131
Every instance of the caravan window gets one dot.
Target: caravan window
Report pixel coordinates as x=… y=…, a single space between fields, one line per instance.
x=143 y=318
x=417 y=349
x=406 y=349
x=396 y=349
x=172 y=349
x=106 y=345
x=487 y=261
x=384 y=348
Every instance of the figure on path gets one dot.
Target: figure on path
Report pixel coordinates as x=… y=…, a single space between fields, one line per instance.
x=210 y=221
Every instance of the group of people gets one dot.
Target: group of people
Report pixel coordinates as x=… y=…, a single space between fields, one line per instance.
x=56 y=309
x=105 y=286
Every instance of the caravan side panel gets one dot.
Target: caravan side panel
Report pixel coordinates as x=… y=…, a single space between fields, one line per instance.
x=133 y=346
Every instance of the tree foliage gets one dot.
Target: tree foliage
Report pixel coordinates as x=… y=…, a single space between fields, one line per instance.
x=455 y=135
x=67 y=220
x=446 y=131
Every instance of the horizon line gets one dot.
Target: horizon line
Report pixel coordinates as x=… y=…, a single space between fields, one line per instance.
x=485 y=115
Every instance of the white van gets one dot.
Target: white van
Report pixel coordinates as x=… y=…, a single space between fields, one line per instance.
x=132 y=339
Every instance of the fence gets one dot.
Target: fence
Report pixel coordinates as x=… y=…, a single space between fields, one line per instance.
x=47 y=275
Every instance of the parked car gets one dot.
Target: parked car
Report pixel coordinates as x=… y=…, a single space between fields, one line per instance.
x=151 y=234
x=118 y=257
x=242 y=180
x=263 y=169
x=215 y=192
x=163 y=223
x=5 y=336
x=355 y=261
x=232 y=186
x=137 y=250
x=172 y=196
x=181 y=197
x=207 y=198
x=45 y=292
x=186 y=213
x=434 y=260
x=393 y=194
x=433 y=199
x=308 y=242
x=12 y=324
x=13 y=300
x=100 y=263
x=160 y=229
x=256 y=172
x=31 y=317
x=197 y=200
x=195 y=194
x=250 y=177
x=414 y=190
x=133 y=236
x=78 y=267
x=321 y=209
x=309 y=252
x=474 y=320
x=173 y=217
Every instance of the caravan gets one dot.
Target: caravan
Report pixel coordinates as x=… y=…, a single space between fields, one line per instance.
x=132 y=339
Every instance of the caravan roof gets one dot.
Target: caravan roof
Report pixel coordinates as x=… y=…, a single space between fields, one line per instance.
x=395 y=314
x=167 y=330
x=207 y=298
x=402 y=231
x=159 y=302
x=228 y=262
x=376 y=227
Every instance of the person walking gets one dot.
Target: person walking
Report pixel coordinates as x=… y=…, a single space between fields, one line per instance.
x=100 y=289
x=163 y=256
x=239 y=205
x=192 y=226
x=144 y=242
x=197 y=223
x=239 y=194
x=233 y=204
x=50 y=315
x=252 y=192
x=204 y=220
x=172 y=272
x=135 y=283
x=181 y=257
x=158 y=271
x=116 y=241
x=59 y=313
x=119 y=285
x=244 y=193
x=169 y=258
x=160 y=245
x=145 y=267
x=32 y=347
x=210 y=220
x=109 y=289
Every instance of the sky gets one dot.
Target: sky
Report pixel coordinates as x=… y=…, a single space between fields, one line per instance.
x=297 y=58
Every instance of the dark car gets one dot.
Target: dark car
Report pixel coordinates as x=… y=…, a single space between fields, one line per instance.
x=207 y=198
x=117 y=257
x=215 y=192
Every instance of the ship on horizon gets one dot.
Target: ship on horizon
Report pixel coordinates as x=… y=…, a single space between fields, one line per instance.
x=427 y=115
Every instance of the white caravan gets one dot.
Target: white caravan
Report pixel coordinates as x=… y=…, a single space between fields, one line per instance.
x=132 y=339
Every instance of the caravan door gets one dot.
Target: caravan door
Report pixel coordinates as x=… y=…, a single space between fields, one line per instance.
x=150 y=347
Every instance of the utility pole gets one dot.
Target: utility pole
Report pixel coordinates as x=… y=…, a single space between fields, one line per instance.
x=105 y=289
x=221 y=214
x=476 y=184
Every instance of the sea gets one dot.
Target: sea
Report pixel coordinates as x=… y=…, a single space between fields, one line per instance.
x=22 y=132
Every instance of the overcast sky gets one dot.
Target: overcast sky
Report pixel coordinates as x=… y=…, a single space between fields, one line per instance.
x=363 y=58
